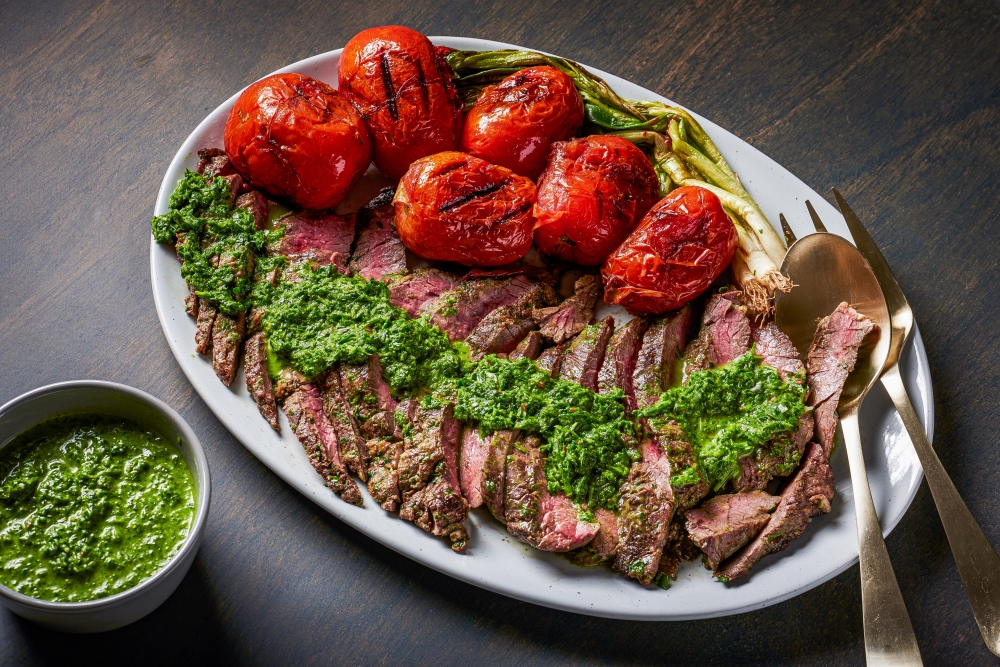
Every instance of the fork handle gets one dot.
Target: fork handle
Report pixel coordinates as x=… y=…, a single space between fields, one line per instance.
x=978 y=563
x=889 y=638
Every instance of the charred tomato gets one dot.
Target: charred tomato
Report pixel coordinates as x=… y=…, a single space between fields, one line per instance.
x=296 y=137
x=515 y=122
x=593 y=192
x=675 y=253
x=456 y=207
x=401 y=86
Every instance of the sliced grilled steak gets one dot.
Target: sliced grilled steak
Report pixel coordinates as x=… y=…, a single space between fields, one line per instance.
x=318 y=238
x=620 y=359
x=678 y=549
x=459 y=310
x=604 y=544
x=550 y=360
x=529 y=348
x=494 y=477
x=680 y=456
x=338 y=410
x=420 y=287
x=428 y=475
x=383 y=472
x=470 y=464
x=721 y=525
x=562 y=527
x=776 y=350
x=645 y=510
x=378 y=252
x=213 y=162
x=235 y=182
x=502 y=330
x=582 y=361
x=779 y=458
x=256 y=204
x=662 y=345
x=370 y=400
x=830 y=360
x=288 y=381
x=304 y=407
x=203 y=333
x=724 y=335
x=809 y=494
x=191 y=302
x=227 y=335
x=562 y=322
x=259 y=380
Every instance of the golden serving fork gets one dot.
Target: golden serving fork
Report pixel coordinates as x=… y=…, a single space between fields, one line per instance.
x=978 y=563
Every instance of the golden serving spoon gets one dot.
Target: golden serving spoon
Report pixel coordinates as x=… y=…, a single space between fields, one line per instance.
x=826 y=270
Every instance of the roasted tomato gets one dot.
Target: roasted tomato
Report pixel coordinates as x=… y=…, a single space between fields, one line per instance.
x=402 y=87
x=296 y=137
x=457 y=208
x=591 y=195
x=675 y=253
x=514 y=123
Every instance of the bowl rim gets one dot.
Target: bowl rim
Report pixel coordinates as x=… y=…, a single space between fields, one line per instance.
x=191 y=542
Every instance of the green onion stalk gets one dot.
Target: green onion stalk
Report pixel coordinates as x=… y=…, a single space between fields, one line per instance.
x=681 y=151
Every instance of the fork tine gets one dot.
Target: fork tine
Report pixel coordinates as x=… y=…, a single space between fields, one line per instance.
x=789 y=234
x=817 y=223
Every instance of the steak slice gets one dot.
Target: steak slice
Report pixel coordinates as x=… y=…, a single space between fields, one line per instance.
x=304 y=407
x=428 y=475
x=213 y=162
x=584 y=357
x=338 y=410
x=778 y=459
x=809 y=494
x=620 y=359
x=475 y=448
x=370 y=401
x=459 y=310
x=227 y=335
x=383 y=472
x=678 y=549
x=550 y=360
x=688 y=487
x=411 y=292
x=259 y=379
x=203 y=325
x=604 y=544
x=529 y=348
x=546 y=522
x=378 y=252
x=721 y=525
x=317 y=238
x=494 y=484
x=724 y=335
x=776 y=350
x=830 y=360
x=562 y=322
x=645 y=510
x=256 y=204
x=662 y=345
x=502 y=330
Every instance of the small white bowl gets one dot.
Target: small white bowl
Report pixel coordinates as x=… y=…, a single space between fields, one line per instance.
x=109 y=398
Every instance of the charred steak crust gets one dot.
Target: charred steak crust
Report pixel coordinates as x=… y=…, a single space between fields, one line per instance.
x=656 y=363
x=680 y=457
x=582 y=360
x=620 y=360
x=227 y=336
x=383 y=472
x=412 y=292
x=522 y=490
x=562 y=322
x=459 y=310
x=776 y=350
x=724 y=335
x=377 y=252
x=808 y=495
x=503 y=329
x=203 y=326
x=259 y=380
x=338 y=410
x=550 y=360
x=721 y=525
x=494 y=485
x=529 y=348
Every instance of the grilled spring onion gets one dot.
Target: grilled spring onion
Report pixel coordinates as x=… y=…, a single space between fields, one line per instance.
x=681 y=151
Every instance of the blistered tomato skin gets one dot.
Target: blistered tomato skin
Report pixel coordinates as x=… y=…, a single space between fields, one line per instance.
x=455 y=207
x=401 y=86
x=592 y=194
x=675 y=253
x=515 y=122
x=298 y=138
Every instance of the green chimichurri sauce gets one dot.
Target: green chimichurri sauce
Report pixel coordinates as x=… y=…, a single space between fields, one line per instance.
x=589 y=444
x=90 y=506
x=731 y=412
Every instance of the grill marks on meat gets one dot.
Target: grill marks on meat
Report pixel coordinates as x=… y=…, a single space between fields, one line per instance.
x=503 y=329
x=529 y=348
x=562 y=322
x=724 y=335
x=722 y=525
x=620 y=360
x=304 y=407
x=227 y=335
x=645 y=510
x=383 y=472
x=830 y=360
x=259 y=380
x=459 y=310
x=428 y=476
x=319 y=238
x=808 y=495
x=203 y=326
x=656 y=364
x=378 y=252
x=352 y=447
x=412 y=292
x=584 y=357
x=369 y=399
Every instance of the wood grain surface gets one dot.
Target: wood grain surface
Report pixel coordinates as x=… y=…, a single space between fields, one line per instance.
x=895 y=103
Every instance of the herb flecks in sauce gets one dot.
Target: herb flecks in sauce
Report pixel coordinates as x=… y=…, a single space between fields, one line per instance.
x=731 y=412
x=587 y=435
x=90 y=506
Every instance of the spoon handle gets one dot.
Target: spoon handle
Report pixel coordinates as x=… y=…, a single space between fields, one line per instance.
x=889 y=638
x=978 y=563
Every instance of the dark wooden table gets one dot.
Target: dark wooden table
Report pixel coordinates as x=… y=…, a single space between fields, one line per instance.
x=897 y=104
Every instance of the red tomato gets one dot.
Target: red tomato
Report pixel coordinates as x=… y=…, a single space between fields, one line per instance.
x=402 y=87
x=457 y=208
x=591 y=196
x=514 y=123
x=296 y=137
x=675 y=253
